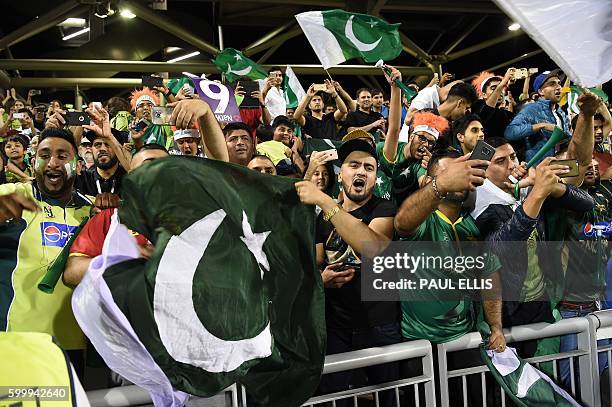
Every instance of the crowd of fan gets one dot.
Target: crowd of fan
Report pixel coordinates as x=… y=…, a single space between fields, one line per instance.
x=377 y=165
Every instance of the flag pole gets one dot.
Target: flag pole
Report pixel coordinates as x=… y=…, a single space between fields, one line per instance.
x=327 y=72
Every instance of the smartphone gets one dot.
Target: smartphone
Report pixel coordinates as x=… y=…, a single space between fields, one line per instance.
x=572 y=164
x=140 y=126
x=152 y=81
x=533 y=70
x=187 y=90
x=76 y=118
x=249 y=101
x=482 y=151
x=330 y=155
x=36 y=92
x=318 y=87
x=19 y=115
x=96 y=105
x=520 y=73
x=161 y=114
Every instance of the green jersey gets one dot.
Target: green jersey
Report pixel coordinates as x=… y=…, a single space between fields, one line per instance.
x=398 y=178
x=424 y=314
x=27 y=248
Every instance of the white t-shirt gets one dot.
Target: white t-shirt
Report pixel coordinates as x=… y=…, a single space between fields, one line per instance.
x=427 y=98
x=275 y=102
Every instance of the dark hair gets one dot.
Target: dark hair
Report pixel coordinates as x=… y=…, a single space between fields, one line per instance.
x=116 y=104
x=275 y=68
x=375 y=92
x=264 y=132
x=459 y=126
x=152 y=146
x=436 y=156
x=236 y=126
x=26 y=110
x=497 y=141
x=598 y=116
x=58 y=133
x=464 y=91
x=18 y=138
x=362 y=90
x=263 y=156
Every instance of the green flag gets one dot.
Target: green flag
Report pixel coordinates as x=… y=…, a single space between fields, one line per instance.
x=235 y=65
x=337 y=35
x=231 y=293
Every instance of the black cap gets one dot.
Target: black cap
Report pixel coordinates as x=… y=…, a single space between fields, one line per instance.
x=357 y=144
x=278 y=120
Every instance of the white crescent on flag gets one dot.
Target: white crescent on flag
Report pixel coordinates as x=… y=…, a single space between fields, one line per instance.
x=185 y=337
x=361 y=46
x=242 y=72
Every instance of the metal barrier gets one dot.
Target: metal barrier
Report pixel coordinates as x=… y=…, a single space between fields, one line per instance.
x=579 y=326
x=342 y=362
x=600 y=323
x=596 y=326
x=125 y=396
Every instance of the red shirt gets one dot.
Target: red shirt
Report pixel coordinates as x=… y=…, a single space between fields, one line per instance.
x=91 y=239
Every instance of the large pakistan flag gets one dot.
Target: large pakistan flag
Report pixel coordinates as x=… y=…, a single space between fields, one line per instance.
x=337 y=35
x=231 y=293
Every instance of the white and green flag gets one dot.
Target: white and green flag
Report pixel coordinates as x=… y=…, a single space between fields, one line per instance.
x=337 y=35
x=526 y=385
x=294 y=92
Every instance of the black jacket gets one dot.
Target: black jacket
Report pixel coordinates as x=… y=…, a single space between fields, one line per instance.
x=499 y=225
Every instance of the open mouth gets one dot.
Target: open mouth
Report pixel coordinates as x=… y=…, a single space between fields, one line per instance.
x=54 y=177
x=359 y=184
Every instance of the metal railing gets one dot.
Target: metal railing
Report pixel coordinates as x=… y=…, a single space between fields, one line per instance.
x=343 y=362
x=590 y=329
x=600 y=323
x=579 y=326
x=125 y=396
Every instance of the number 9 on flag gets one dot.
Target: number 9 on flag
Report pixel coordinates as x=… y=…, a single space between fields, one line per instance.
x=220 y=98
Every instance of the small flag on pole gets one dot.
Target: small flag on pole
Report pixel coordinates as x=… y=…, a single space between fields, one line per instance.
x=337 y=35
x=294 y=92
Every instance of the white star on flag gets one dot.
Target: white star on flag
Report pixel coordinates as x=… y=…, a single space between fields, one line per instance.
x=373 y=23
x=254 y=242
x=379 y=181
x=406 y=172
x=237 y=57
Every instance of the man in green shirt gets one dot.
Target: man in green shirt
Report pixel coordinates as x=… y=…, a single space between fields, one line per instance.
x=405 y=163
x=434 y=213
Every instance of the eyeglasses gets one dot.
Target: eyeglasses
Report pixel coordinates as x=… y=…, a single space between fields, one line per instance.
x=424 y=140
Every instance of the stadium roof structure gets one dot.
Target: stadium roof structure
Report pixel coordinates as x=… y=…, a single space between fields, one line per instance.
x=114 y=50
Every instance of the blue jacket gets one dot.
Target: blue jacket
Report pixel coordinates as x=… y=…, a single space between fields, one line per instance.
x=520 y=127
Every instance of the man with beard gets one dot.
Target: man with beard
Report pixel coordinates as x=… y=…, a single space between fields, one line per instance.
x=186 y=141
x=342 y=228
x=316 y=124
x=468 y=130
x=36 y=221
x=536 y=122
x=364 y=118
x=85 y=152
x=434 y=213
x=525 y=219
x=585 y=277
x=106 y=173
